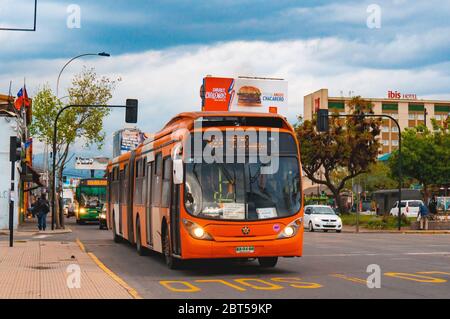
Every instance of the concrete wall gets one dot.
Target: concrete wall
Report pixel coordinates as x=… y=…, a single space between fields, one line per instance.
x=7 y=129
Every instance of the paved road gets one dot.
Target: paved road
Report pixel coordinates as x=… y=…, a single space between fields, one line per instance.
x=333 y=266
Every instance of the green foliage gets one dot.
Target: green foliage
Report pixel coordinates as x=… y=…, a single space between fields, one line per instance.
x=378 y=177
x=346 y=151
x=425 y=156
x=375 y=222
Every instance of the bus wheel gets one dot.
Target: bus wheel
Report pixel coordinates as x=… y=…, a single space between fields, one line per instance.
x=171 y=262
x=116 y=237
x=140 y=250
x=268 y=262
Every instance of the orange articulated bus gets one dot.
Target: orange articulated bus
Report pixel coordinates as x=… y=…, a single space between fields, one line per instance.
x=211 y=185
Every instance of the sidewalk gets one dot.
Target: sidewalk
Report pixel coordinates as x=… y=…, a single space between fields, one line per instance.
x=38 y=270
x=29 y=227
x=352 y=229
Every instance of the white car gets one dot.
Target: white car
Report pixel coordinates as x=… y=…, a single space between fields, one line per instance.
x=410 y=208
x=321 y=217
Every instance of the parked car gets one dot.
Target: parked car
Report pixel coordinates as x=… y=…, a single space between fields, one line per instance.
x=409 y=208
x=321 y=217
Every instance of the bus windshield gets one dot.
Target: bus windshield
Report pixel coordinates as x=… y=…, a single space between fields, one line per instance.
x=240 y=191
x=92 y=196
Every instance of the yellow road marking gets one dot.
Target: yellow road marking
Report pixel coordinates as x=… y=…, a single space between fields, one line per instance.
x=353 y=279
x=268 y=285
x=226 y=283
x=110 y=273
x=434 y=273
x=190 y=287
x=415 y=277
x=81 y=245
x=297 y=283
x=119 y=280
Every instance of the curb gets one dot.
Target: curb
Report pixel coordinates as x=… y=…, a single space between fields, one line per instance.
x=422 y=232
x=34 y=232
x=109 y=272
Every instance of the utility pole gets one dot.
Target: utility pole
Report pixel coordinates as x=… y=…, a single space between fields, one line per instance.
x=425 y=113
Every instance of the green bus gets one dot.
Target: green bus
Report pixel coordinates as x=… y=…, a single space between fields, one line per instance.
x=90 y=196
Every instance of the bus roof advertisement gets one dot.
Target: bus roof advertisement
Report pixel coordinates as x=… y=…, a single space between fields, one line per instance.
x=217 y=93
x=245 y=95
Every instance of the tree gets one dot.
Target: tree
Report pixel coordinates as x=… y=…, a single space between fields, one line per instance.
x=86 y=123
x=425 y=156
x=347 y=150
x=377 y=177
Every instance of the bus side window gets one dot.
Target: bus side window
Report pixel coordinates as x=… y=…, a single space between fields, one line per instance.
x=167 y=174
x=156 y=187
x=138 y=183
x=144 y=182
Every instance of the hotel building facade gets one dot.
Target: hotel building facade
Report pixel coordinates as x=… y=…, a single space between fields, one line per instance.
x=405 y=108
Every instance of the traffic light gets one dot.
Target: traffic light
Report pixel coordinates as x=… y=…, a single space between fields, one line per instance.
x=15 y=149
x=131 y=112
x=322 y=120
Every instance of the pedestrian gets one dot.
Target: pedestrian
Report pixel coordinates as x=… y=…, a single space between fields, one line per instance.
x=42 y=209
x=432 y=205
x=423 y=216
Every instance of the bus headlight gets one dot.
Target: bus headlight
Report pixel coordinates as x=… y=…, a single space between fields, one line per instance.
x=102 y=216
x=196 y=231
x=291 y=229
x=82 y=211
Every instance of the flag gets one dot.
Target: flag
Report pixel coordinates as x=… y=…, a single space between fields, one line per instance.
x=22 y=99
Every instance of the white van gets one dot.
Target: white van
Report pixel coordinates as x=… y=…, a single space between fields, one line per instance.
x=409 y=208
x=68 y=202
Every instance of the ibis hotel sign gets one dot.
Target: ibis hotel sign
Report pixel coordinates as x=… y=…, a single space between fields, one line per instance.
x=398 y=95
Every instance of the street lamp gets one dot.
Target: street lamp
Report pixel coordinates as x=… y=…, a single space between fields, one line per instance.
x=104 y=54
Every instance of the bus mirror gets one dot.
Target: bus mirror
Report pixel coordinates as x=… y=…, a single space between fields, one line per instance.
x=178 y=171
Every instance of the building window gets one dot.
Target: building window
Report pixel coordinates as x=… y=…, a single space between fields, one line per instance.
x=420 y=117
x=385 y=129
x=438 y=117
x=394 y=129
x=385 y=142
x=394 y=142
x=411 y=116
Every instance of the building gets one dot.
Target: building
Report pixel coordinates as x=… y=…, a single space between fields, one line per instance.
x=8 y=127
x=407 y=109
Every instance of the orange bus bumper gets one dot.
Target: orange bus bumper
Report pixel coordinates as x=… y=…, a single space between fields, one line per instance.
x=287 y=247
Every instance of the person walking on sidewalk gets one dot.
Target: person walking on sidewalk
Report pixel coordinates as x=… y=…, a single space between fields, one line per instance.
x=42 y=209
x=423 y=216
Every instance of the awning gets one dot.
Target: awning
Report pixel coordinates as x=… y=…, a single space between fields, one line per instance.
x=35 y=176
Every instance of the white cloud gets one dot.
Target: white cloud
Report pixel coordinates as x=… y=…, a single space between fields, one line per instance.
x=167 y=82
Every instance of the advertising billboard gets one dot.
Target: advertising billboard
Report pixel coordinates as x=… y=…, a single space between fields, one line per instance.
x=96 y=163
x=244 y=94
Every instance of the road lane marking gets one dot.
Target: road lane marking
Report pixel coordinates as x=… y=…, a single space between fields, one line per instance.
x=109 y=272
x=434 y=273
x=226 y=283
x=297 y=283
x=415 y=277
x=268 y=285
x=190 y=287
x=119 y=280
x=81 y=245
x=353 y=279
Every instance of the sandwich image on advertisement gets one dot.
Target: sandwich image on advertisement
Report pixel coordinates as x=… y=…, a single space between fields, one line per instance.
x=249 y=96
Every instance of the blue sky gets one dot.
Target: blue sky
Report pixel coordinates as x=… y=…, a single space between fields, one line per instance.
x=162 y=49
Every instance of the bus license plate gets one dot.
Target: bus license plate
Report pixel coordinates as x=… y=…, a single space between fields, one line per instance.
x=245 y=250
